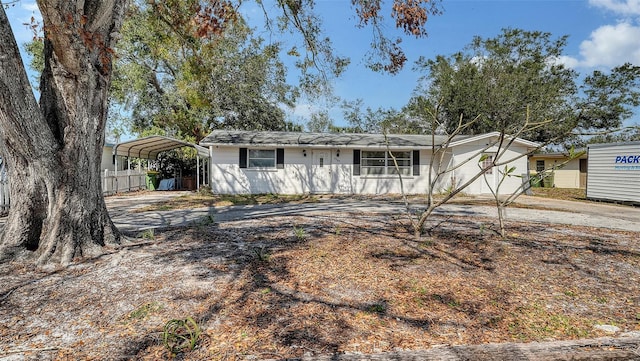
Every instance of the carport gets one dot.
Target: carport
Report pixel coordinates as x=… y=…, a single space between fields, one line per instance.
x=150 y=147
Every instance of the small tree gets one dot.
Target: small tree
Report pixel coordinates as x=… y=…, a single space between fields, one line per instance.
x=439 y=168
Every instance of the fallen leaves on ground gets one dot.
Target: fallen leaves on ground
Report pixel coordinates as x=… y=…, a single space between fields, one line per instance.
x=289 y=286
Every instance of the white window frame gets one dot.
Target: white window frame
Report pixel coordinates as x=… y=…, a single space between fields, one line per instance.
x=250 y=158
x=389 y=168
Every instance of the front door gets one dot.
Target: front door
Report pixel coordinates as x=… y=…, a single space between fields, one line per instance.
x=321 y=175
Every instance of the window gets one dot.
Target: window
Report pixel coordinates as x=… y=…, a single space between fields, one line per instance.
x=488 y=163
x=539 y=166
x=381 y=163
x=262 y=158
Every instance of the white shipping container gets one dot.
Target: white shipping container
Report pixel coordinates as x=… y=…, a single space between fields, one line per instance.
x=614 y=172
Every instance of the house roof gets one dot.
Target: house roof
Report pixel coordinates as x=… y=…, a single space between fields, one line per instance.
x=327 y=140
x=559 y=155
x=150 y=147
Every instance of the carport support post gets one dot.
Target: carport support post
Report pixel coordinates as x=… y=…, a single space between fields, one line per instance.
x=210 y=169
x=115 y=173
x=197 y=171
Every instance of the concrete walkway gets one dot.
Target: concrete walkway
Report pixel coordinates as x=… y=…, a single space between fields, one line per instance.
x=554 y=211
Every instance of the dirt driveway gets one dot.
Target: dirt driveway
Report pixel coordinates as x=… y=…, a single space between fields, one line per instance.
x=528 y=208
x=531 y=209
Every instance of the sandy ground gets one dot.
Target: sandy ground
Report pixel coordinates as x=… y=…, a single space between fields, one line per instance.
x=531 y=209
x=536 y=209
x=323 y=279
x=336 y=276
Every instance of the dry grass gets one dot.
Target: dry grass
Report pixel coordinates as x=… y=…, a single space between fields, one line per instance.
x=347 y=282
x=568 y=194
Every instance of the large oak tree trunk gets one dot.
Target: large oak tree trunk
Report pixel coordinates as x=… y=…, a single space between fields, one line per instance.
x=54 y=149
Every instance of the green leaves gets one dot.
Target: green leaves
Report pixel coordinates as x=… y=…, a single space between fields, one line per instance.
x=609 y=98
x=172 y=76
x=500 y=78
x=181 y=335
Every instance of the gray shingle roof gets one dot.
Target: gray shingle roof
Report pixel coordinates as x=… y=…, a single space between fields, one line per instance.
x=349 y=140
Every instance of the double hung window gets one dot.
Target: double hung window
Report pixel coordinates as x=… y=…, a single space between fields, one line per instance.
x=381 y=163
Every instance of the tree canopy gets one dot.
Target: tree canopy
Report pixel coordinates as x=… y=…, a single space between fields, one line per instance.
x=518 y=74
x=176 y=76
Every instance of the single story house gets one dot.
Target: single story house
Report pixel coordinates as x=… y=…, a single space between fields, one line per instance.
x=109 y=159
x=251 y=162
x=566 y=172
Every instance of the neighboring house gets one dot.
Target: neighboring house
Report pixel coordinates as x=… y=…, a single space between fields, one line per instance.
x=566 y=172
x=109 y=161
x=244 y=162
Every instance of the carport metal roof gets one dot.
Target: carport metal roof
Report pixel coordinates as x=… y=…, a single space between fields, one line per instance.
x=150 y=147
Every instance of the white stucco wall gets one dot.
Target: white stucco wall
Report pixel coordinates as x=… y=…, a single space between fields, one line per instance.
x=298 y=175
x=469 y=169
x=107 y=159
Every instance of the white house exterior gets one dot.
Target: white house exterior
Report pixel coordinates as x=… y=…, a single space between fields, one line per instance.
x=244 y=162
x=108 y=159
x=614 y=172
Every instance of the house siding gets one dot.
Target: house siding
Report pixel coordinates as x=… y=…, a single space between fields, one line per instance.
x=566 y=177
x=611 y=179
x=465 y=172
x=298 y=174
x=107 y=160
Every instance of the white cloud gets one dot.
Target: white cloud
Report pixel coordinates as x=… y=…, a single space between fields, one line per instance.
x=611 y=45
x=304 y=110
x=567 y=61
x=622 y=7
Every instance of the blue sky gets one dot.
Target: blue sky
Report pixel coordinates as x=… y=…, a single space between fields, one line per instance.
x=602 y=34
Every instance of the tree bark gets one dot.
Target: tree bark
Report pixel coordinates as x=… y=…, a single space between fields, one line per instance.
x=597 y=349
x=54 y=149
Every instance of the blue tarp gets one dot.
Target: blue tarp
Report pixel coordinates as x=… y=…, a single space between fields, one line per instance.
x=167 y=184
